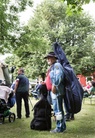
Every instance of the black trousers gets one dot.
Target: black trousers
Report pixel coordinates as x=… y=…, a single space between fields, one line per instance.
x=19 y=97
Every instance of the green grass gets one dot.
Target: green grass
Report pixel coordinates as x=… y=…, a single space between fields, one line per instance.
x=82 y=127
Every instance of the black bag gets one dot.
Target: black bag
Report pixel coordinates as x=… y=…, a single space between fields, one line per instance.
x=74 y=91
x=42 y=115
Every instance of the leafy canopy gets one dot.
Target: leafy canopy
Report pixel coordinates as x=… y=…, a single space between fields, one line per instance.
x=50 y=23
x=10 y=29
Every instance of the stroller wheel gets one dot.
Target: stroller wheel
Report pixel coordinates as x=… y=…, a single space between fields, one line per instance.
x=11 y=117
x=2 y=119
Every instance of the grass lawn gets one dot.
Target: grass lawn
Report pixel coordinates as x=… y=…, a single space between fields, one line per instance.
x=82 y=127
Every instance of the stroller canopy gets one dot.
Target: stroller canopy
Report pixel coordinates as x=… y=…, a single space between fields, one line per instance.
x=4 y=93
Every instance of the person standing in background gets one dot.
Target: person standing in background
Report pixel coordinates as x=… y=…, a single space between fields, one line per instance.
x=55 y=83
x=22 y=92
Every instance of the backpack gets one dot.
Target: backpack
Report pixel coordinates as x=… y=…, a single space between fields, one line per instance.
x=74 y=91
x=42 y=115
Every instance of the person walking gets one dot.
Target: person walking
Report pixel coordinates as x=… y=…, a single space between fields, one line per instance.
x=22 y=92
x=55 y=82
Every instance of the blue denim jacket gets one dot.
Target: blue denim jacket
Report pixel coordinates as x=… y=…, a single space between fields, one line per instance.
x=57 y=78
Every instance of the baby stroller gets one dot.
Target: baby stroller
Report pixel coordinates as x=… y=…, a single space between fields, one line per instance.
x=5 y=112
x=5 y=109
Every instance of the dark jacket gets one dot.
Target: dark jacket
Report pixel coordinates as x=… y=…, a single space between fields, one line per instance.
x=23 y=83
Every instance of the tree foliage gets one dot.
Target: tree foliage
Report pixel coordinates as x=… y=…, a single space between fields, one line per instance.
x=75 y=6
x=77 y=2
x=50 y=23
x=75 y=33
x=10 y=29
